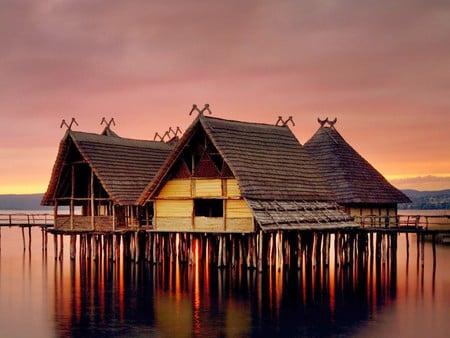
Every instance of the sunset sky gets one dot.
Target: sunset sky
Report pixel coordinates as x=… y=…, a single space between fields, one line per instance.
x=381 y=67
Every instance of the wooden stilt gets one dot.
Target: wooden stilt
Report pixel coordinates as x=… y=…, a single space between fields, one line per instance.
x=61 y=247
x=73 y=249
x=23 y=238
x=29 y=238
x=89 y=246
x=55 y=245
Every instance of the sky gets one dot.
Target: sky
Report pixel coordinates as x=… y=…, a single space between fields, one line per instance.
x=380 y=67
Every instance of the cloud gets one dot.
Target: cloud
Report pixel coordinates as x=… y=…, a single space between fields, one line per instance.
x=381 y=67
x=423 y=183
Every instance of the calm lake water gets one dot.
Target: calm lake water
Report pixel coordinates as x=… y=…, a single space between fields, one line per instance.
x=44 y=297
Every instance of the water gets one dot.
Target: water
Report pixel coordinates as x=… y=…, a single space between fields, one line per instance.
x=44 y=297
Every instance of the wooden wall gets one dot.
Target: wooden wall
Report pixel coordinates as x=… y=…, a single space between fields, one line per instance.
x=174 y=206
x=380 y=214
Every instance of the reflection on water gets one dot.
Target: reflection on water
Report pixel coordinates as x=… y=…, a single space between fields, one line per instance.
x=372 y=297
x=173 y=299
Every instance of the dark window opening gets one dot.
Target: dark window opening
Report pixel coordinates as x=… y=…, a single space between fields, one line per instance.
x=208 y=207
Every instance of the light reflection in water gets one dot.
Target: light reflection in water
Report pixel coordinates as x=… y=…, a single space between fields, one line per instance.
x=184 y=300
x=101 y=298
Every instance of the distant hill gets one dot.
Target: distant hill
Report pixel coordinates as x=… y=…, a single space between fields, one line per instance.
x=426 y=199
x=420 y=200
x=22 y=202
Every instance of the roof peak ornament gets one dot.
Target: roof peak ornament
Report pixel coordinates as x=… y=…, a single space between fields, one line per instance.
x=196 y=108
x=69 y=126
x=330 y=123
x=170 y=134
x=281 y=122
x=108 y=124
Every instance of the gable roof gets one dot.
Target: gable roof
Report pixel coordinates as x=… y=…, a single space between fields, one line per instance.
x=281 y=184
x=349 y=175
x=267 y=160
x=123 y=166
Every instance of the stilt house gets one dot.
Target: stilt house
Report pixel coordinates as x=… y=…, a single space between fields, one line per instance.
x=355 y=183
x=238 y=177
x=99 y=178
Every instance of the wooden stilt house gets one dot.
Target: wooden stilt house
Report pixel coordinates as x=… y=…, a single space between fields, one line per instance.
x=238 y=177
x=355 y=183
x=98 y=179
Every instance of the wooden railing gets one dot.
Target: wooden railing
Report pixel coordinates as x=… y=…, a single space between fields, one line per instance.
x=23 y=219
x=405 y=221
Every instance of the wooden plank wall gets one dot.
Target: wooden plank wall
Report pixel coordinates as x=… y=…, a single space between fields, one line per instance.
x=174 y=206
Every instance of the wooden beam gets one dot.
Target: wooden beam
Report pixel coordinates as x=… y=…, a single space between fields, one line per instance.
x=72 y=193
x=92 y=200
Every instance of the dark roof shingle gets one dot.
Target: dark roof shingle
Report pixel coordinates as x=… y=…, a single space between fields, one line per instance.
x=267 y=160
x=123 y=166
x=349 y=175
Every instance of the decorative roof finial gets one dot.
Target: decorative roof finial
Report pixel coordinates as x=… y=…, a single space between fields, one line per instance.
x=69 y=126
x=284 y=123
x=195 y=108
x=108 y=124
x=324 y=122
x=332 y=123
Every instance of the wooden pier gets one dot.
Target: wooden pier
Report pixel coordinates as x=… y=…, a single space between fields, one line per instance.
x=257 y=250
x=27 y=220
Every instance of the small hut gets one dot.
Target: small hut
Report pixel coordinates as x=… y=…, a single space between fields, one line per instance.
x=97 y=179
x=239 y=177
x=355 y=183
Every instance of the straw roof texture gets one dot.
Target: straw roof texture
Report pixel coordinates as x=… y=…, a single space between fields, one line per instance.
x=273 y=172
x=350 y=177
x=267 y=160
x=296 y=215
x=123 y=166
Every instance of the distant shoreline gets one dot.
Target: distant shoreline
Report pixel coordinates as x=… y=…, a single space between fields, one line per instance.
x=16 y=202
x=421 y=200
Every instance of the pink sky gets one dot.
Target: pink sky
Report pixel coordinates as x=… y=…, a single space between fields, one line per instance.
x=381 y=67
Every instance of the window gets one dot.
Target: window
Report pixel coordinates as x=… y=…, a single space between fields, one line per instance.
x=208 y=207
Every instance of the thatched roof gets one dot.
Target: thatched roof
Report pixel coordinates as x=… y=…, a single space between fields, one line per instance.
x=296 y=215
x=123 y=166
x=267 y=160
x=269 y=164
x=351 y=178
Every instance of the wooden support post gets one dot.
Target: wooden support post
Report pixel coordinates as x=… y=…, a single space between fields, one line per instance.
x=433 y=239
x=94 y=248
x=422 y=250
x=219 y=262
x=336 y=243
x=116 y=255
x=73 y=241
x=29 y=238
x=233 y=251
x=92 y=201
x=260 y=250
x=326 y=249
x=61 y=250
x=279 y=250
x=137 y=246
x=407 y=246
x=299 y=252
x=224 y=251
x=318 y=249
x=89 y=246
x=155 y=240
x=55 y=245
x=72 y=195
x=23 y=238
